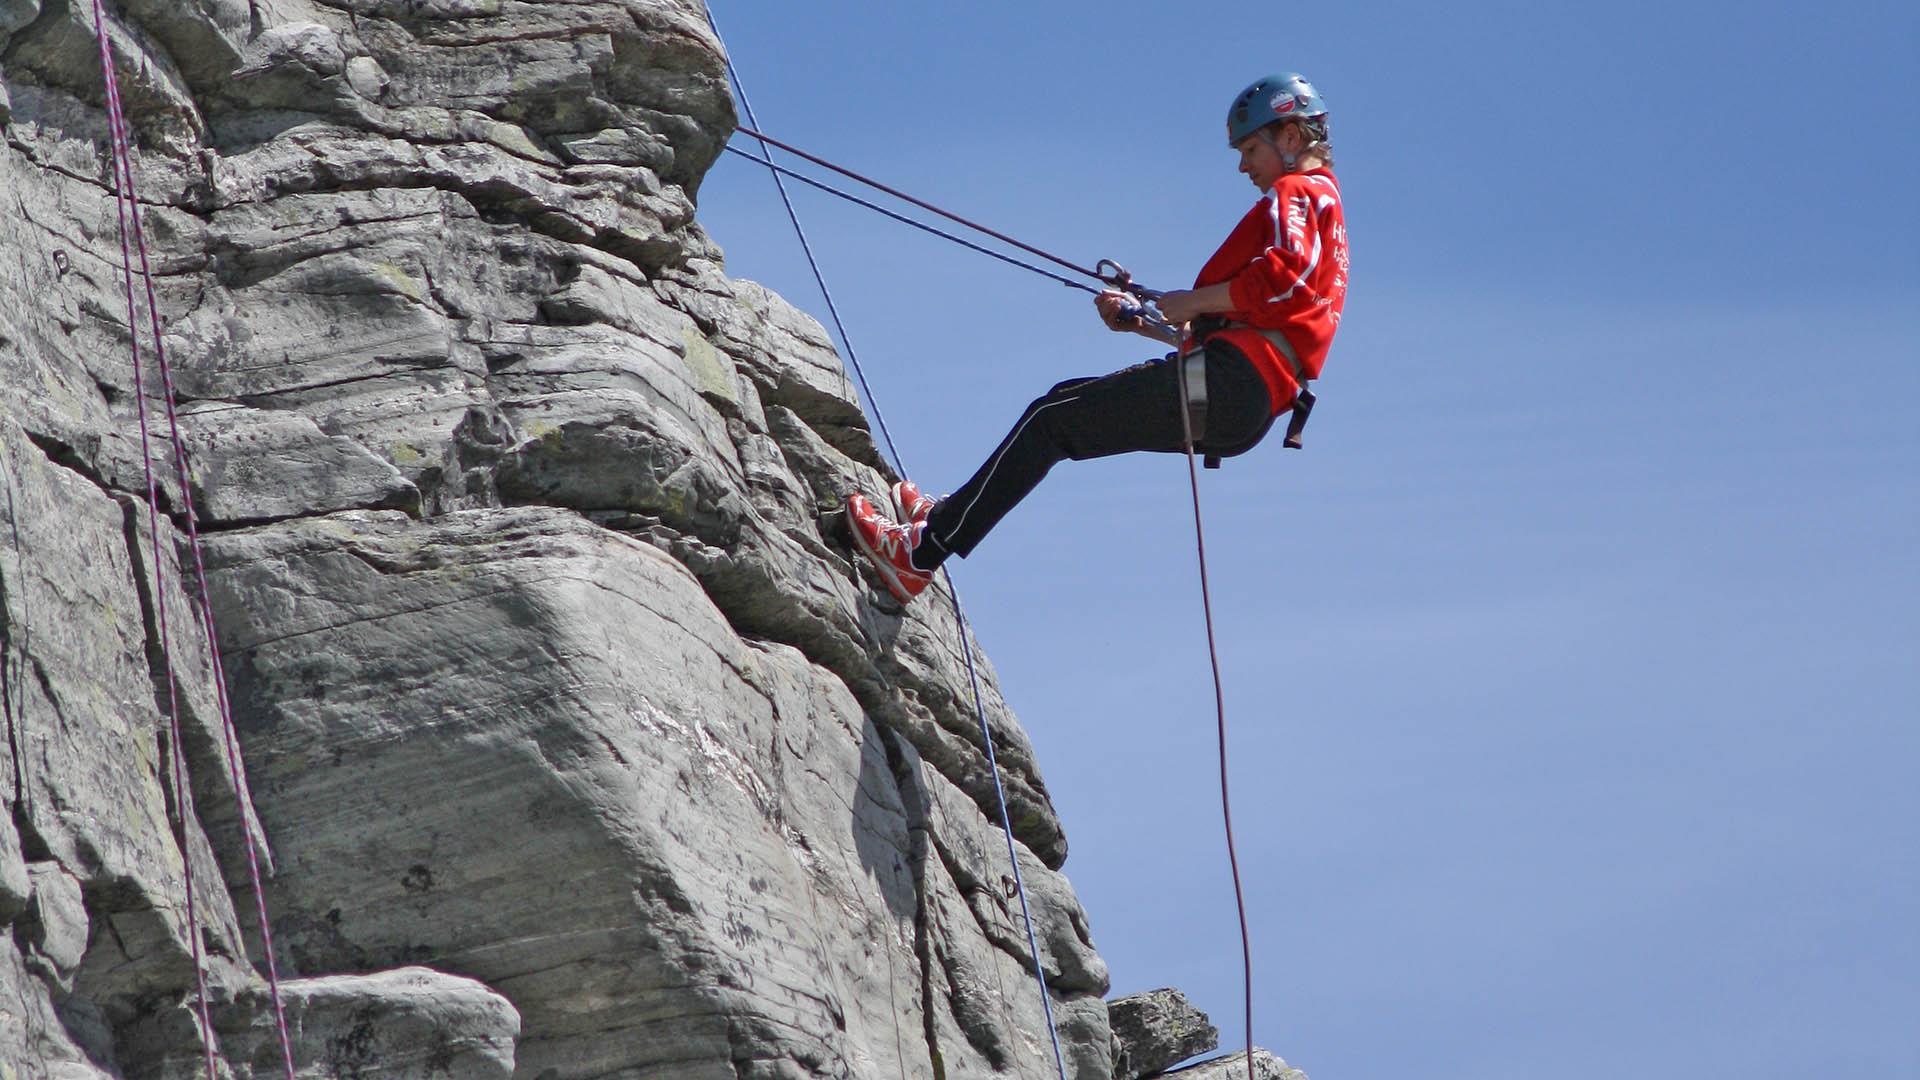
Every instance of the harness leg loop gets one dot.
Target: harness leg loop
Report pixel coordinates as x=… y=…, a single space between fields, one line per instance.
x=1193 y=399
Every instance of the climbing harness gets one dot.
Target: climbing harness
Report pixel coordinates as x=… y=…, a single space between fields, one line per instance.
x=127 y=204
x=959 y=614
x=1303 y=397
x=1193 y=398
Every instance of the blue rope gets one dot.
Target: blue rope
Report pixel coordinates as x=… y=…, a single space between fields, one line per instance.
x=966 y=637
x=1006 y=822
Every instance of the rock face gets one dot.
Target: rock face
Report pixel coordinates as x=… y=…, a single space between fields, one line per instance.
x=575 y=742
x=1155 y=1030
x=1234 y=1067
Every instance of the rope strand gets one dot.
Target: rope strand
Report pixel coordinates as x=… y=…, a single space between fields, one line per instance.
x=176 y=765
x=1220 y=712
x=921 y=203
x=127 y=200
x=905 y=220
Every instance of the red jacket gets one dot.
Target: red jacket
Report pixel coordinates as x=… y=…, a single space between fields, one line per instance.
x=1286 y=265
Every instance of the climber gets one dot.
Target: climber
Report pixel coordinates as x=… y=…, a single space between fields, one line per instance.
x=1251 y=332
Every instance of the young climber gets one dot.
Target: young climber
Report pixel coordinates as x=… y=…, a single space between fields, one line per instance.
x=1257 y=325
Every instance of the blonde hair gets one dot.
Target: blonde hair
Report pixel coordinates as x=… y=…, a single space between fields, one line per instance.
x=1314 y=130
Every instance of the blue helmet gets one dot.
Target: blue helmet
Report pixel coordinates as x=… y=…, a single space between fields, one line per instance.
x=1276 y=97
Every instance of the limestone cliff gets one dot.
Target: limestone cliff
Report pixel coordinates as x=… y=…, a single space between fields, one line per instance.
x=578 y=746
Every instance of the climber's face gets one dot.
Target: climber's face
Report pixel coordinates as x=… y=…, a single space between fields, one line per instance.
x=1263 y=153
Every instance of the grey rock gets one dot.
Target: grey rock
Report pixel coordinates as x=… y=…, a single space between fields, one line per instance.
x=972 y=934
x=406 y=1024
x=61 y=50
x=35 y=1040
x=366 y=77
x=1266 y=1066
x=308 y=45
x=15 y=886
x=93 y=789
x=254 y=465
x=54 y=929
x=672 y=817
x=617 y=146
x=86 y=723
x=403 y=1024
x=15 y=14
x=203 y=37
x=1156 y=1030
x=788 y=354
x=552 y=666
x=64 y=367
x=974 y=850
x=301 y=66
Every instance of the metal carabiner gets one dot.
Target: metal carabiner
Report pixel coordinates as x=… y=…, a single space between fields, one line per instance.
x=1142 y=312
x=1119 y=277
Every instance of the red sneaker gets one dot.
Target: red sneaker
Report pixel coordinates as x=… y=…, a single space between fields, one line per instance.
x=910 y=507
x=889 y=546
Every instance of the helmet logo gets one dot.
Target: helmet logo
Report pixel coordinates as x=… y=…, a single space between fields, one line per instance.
x=1282 y=104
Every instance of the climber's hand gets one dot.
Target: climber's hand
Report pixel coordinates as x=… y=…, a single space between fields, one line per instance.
x=1180 y=306
x=1113 y=306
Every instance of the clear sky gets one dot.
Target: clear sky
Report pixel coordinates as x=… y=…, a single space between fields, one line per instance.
x=1574 y=668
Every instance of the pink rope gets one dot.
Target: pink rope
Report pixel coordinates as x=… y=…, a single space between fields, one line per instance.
x=1220 y=709
x=176 y=757
x=127 y=200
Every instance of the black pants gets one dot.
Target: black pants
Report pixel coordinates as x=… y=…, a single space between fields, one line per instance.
x=1134 y=409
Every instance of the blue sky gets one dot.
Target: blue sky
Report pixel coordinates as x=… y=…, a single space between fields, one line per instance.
x=1572 y=668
